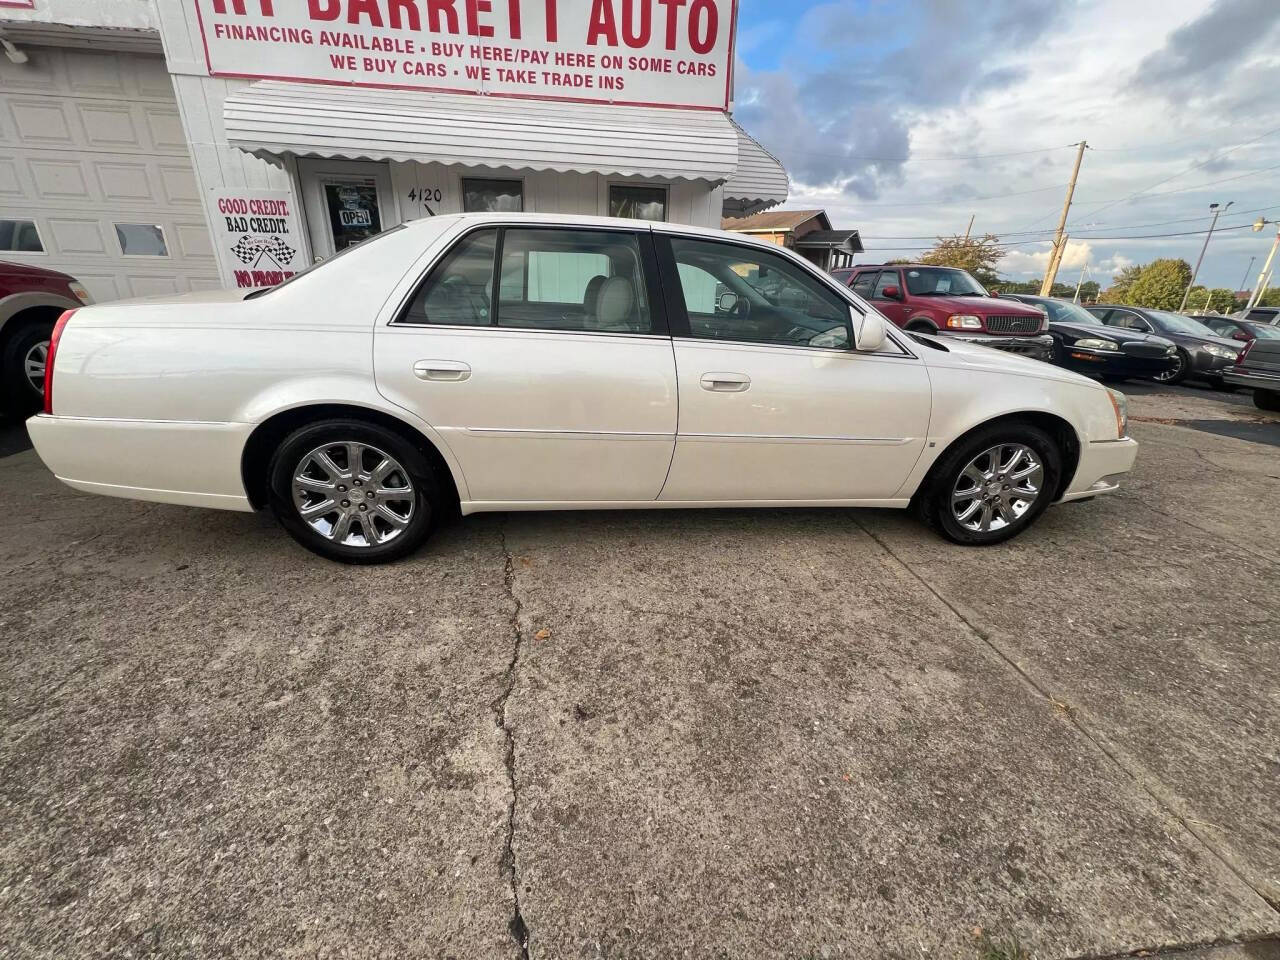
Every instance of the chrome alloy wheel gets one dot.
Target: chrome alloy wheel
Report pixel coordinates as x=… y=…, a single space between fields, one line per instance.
x=33 y=365
x=1173 y=372
x=997 y=487
x=353 y=494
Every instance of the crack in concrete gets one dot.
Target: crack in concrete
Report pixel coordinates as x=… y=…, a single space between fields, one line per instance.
x=1141 y=780
x=519 y=930
x=1206 y=947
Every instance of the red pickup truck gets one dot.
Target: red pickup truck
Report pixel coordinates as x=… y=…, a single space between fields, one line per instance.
x=948 y=302
x=31 y=299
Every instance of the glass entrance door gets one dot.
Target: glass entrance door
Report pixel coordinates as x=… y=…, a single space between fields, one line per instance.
x=346 y=202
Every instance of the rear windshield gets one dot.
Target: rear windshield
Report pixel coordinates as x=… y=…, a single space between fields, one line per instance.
x=321 y=264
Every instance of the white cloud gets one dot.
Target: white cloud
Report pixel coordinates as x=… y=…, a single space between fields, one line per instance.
x=1022 y=263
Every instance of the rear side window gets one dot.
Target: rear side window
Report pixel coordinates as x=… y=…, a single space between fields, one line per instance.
x=549 y=279
x=459 y=290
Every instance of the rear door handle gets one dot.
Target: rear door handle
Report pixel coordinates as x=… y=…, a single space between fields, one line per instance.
x=449 y=371
x=725 y=382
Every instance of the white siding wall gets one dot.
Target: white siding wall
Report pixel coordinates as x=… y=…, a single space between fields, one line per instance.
x=217 y=164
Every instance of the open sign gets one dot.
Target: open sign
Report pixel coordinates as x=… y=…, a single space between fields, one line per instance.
x=355 y=218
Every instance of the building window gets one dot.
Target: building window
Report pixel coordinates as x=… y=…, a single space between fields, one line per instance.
x=492 y=196
x=638 y=203
x=141 y=240
x=20 y=236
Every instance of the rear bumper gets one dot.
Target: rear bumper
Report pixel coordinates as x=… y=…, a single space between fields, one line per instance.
x=1102 y=467
x=195 y=464
x=1259 y=381
x=1039 y=347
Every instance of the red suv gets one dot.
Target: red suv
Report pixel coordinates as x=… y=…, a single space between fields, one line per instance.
x=31 y=300
x=949 y=302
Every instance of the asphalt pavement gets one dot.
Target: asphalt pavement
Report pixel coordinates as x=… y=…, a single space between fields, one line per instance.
x=776 y=733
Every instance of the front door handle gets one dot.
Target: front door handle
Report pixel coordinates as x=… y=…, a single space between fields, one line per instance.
x=448 y=371
x=726 y=382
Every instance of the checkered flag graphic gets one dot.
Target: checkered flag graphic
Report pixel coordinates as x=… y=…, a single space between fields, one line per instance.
x=250 y=250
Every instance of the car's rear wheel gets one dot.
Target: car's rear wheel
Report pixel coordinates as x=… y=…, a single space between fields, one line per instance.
x=22 y=368
x=353 y=491
x=1266 y=399
x=1178 y=372
x=992 y=485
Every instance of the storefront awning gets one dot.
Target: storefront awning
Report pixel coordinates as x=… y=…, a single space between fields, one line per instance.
x=271 y=118
x=759 y=178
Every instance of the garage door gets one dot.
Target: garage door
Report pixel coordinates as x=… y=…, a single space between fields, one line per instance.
x=95 y=177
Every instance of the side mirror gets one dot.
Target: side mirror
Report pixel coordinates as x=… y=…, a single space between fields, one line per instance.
x=1240 y=336
x=893 y=293
x=726 y=302
x=869 y=331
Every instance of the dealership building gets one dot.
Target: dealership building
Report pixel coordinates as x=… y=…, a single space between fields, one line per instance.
x=160 y=146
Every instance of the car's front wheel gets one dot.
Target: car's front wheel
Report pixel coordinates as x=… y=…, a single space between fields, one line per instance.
x=353 y=491
x=1178 y=372
x=993 y=485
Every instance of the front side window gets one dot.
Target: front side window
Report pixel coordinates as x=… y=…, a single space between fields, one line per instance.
x=20 y=236
x=942 y=282
x=887 y=279
x=738 y=293
x=492 y=196
x=573 y=280
x=458 y=291
x=638 y=203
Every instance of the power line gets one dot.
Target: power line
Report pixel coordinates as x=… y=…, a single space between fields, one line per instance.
x=909 y=159
x=1126 y=226
x=1023 y=243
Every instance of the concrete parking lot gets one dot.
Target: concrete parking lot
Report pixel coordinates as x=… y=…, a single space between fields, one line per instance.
x=725 y=734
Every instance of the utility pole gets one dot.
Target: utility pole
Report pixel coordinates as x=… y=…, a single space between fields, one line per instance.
x=1058 y=242
x=969 y=228
x=1247 y=270
x=1265 y=276
x=1200 y=260
x=1083 y=271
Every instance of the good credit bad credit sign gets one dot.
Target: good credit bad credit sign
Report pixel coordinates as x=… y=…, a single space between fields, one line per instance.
x=669 y=53
x=255 y=234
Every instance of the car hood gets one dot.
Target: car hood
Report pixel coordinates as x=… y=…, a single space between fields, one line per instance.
x=983 y=306
x=1119 y=334
x=962 y=353
x=1197 y=338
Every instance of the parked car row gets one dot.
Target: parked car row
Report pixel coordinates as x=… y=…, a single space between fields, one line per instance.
x=1103 y=340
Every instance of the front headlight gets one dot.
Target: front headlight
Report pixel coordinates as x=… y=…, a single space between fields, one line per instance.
x=1170 y=350
x=964 y=321
x=81 y=293
x=1222 y=353
x=1096 y=343
x=1120 y=403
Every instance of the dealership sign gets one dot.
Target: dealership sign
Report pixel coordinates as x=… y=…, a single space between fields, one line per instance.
x=255 y=234
x=670 y=53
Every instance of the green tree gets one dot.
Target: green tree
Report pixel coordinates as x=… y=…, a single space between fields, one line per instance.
x=1161 y=284
x=1270 y=298
x=978 y=255
x=1121 y=284
x=1217 y=300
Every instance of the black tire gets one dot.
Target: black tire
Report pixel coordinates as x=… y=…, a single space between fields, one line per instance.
x=18 y=395
x=1178 y=373
x=425 y=500
x=1266 y=400
x=934 y=502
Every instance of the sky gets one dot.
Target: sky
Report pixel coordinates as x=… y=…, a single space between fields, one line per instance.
x=902 y=118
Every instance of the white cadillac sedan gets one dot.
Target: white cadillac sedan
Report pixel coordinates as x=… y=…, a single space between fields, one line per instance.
x=522 y=362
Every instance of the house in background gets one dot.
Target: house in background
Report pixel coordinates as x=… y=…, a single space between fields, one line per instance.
x=807 y=232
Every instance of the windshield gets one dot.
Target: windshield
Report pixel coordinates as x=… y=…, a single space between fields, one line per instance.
x=942 y=282
x=263 y=291
x=1063 y=311
x=1181 y=324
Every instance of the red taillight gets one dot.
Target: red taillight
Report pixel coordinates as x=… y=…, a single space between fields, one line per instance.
x=48 y=363
x=1245 y=352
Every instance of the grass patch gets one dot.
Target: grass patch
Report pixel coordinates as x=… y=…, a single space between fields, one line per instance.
x=1001 y=948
